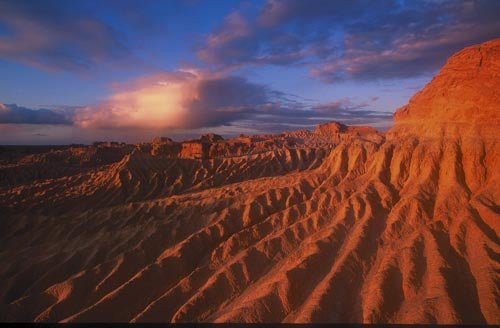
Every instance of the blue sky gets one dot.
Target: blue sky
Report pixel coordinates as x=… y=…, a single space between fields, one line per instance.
x=81 y=70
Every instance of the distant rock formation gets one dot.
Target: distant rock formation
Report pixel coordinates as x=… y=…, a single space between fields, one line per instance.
x=211 y=137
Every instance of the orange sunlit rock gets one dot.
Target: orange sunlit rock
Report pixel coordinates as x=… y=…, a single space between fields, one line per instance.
x=341 y=224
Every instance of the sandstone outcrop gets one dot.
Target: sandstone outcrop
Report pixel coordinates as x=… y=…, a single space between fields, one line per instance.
x=341 y=224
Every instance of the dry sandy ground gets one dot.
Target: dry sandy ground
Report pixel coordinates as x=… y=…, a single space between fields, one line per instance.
x=335 y=225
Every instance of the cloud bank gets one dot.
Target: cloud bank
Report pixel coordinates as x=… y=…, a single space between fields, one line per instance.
x=335 y=40
x=352 y=39
x=13 y=114
x=57 y=37
x=176 y=100
x=193 y=100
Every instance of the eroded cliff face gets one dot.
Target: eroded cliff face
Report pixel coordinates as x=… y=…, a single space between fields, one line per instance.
x=336 y=225
x=462 y=99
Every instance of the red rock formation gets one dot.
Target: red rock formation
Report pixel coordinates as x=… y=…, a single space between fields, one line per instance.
x=336 y=225
x=211 y=137
x=194 y=149
x=462 y=98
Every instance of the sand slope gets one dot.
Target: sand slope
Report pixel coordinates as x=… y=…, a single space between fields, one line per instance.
x=341 y=224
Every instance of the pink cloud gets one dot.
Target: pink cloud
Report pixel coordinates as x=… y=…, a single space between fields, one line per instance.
x=174 y=100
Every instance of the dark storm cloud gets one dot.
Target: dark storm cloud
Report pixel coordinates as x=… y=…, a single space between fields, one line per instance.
x=176 y=100
x=355 y=39
x=344 y=110
x=279 y=113
x=191 y=101
x=197 y=100
x=13 y=114
x=223 y=100
x=230 y=101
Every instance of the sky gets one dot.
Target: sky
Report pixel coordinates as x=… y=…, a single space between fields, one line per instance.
x=126 y=70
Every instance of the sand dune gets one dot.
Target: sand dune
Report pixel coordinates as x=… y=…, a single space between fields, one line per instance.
x=340 y=224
